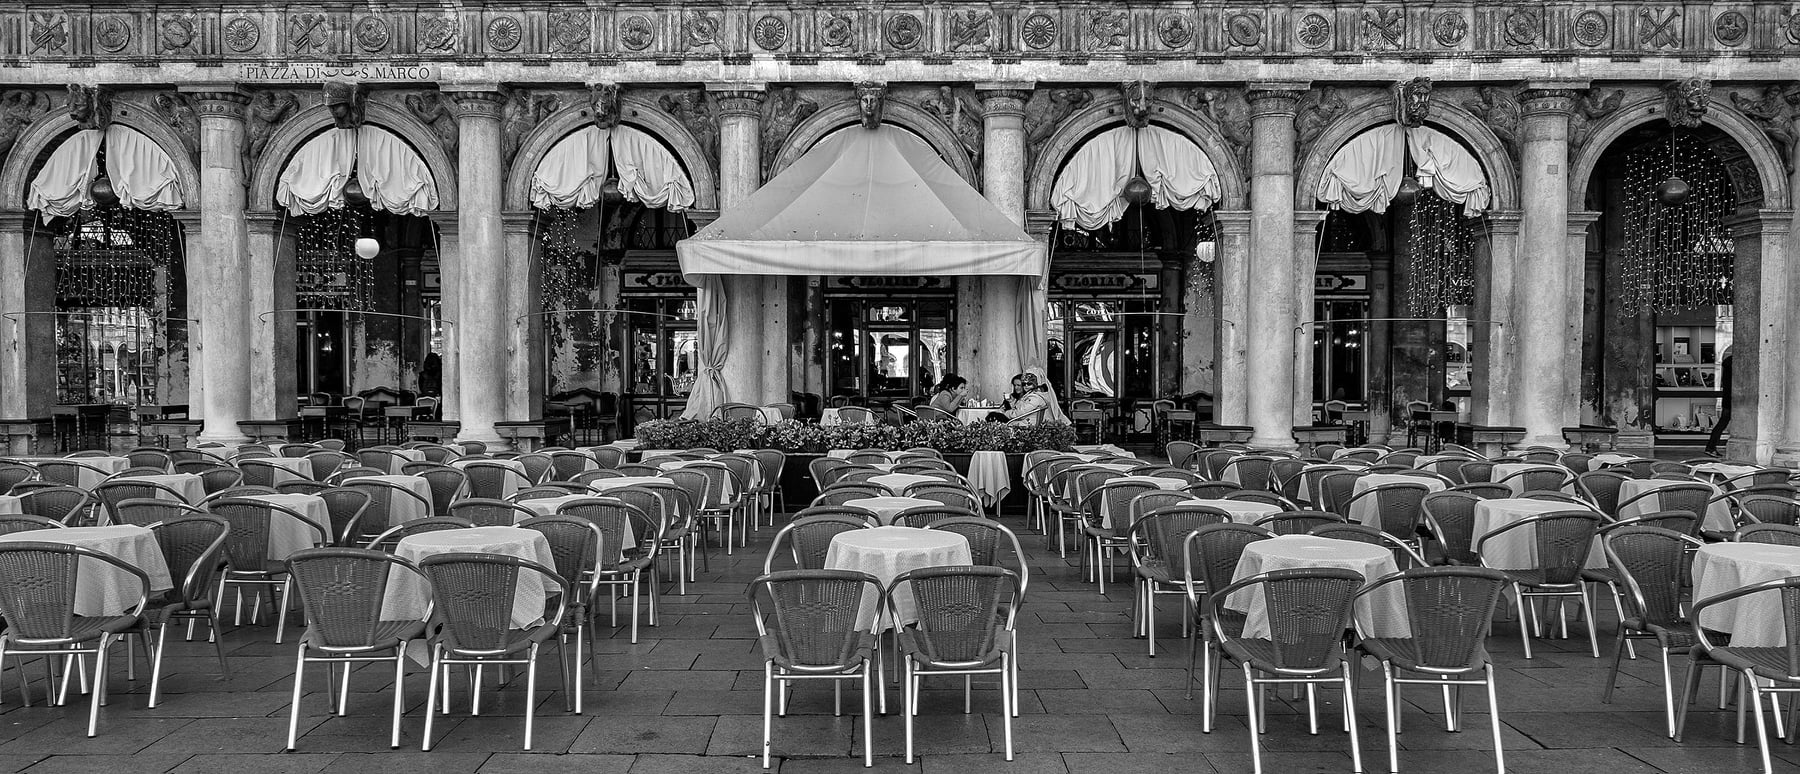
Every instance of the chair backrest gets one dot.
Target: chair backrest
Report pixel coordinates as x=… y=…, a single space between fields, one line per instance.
x=20 y=522
x=1477 y=471
x=613 y=516
x=144 y=511
x=474 y=595
x=607 y=457
x=301 y=486
x=214 y=476
x=1149 y=502
x=1685 y=496
x=1284 y=477
x=1404 y=555
x=1601 y=487
x=575 y=548
x=1251 y=471
x=537 y=466
x=1307 y=610
x=1484 y=490
x=326 y=462
x=1261 y=496
x=1683 y=522
x=145 y=457
x=1332 y=491
x=38 y=583
x=843 y=493
x=949 y=494
x=855 y=415
x=812 y=618
x=111 y=493
x=489 y=512
x=193 y=545
x=343 y=591
x=808 y=538
x=247 y=542
x=446 y=483
x=13 y=473
x=1451 y=517
x=986 y=539
x=1212 y=462
x=348 y=509
x=1563 y=540
x=924 y=515
x=1397 y=506
x=386 y=541
x=1545 y=479
x=1449 y=611
x=1210 y=554
x=1212 y=490
x=566 y=465
x=60 y=502
x=959 y=610
x=1758 y=477
x=1179 y=452
x=488 y=478
x=1157 y=538
x=1775 y=534
x=1766 y=509
x=1651 y=564
x=1297 y=522
x=67 y=471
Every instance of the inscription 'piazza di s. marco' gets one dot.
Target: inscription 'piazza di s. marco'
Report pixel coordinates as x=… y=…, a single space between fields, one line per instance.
x=317 y=72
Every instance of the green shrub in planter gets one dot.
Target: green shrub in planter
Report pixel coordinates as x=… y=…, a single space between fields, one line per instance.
x=797 y=437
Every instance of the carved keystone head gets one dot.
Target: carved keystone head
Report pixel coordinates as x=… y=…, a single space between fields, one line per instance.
x=870 y=96
x=1412 y=101
x=603 y=100
x=1687 y=101
x=90 y=106
x=1137 y=102
x=346 y=101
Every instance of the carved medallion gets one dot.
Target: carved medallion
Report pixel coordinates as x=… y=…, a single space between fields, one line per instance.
x=178 y=33
x=437 y=33
x=569 y=31
x=636 y=32
x=1449 y=29
x=242 y=34
x=306 y=33
x=1244 y=29
x=1523 y=26
x=1039 y=31
x=112 y=34
x=1174 y=30
x=49 y=33
x=1791 y=24
x=904 y=31
x=504 y=33
x=837 y=32
x=1383 y=28
x=701 y=29
x=769 y=33
x=1590 y=28
x=1731 y=28
x=1107 y=29
x=371 y=33
x=1314 y=31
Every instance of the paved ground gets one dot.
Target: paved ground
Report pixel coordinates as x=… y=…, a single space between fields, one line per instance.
x=687 y=697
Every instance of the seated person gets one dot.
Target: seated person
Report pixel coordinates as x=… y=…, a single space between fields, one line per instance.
x=950 y=394
x=1029 y=395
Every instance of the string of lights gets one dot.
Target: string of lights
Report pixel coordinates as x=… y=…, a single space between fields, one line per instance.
x=1678 y=254
x=329 y=273
x=1441 y=244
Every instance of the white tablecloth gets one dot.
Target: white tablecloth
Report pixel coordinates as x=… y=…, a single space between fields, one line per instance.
x=886 y=507
x=1517 y=550
x=989 y=477
x=547 y=506
x=188 y=485
x=101 y=589
x=1718 y=514
x=508 y=485
x=1383 y=615
x=898 y=482
x=1504 y=469
x=286 y=537
x=1724 y=470
x=1115 y=467
x=730 y=485
x=1364 y=511
x=1611 y=458
x=1102 y=448
x=403 y=456
x=973 y=414
x=11 y=504
x=1242 y=511
x=886 y=552
x=401 y=508
x=1754 y=621
x=405 y=597
x=291 y=469
x=844 y=454
x=609 y=484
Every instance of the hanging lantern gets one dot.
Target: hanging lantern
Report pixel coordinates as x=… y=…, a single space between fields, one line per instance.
x=367 y=248
x=1408 y=192
x=102 y=192
x=353 y=192
x=610 y=193
x=1137 y=190
x=1673 y=191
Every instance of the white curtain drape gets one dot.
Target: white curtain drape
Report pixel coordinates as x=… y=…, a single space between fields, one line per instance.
x=314 y=178
x=715 y=346
x=1364 y=174
x=572 y=172
x=1180 y=175
x=1445 y=166
x=1087 y=193
x=392 y=174
x=61 y=187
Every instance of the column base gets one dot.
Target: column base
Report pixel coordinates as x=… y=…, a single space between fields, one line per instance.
x=1556 y=442
x=224 y=438
x=487 y=437
x=1786 y=456
x=1275 y=442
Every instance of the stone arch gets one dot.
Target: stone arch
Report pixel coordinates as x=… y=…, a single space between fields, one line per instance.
x=1103 y=114
x=1771 y=173
x=15 y=174
x=1502 y=171
x=636 y=111
x=310 y=121
x=902 y=114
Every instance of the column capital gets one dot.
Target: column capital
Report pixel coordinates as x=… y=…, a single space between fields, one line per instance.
x=1580 y=220
x=189 y=219
x=1309 y=219
x=1269 y=98
x=518 y=222
x=226 y=100
x=1761 y=223
x=1498 y=223
x=1536 y=100
x=263 y=221
x=738 y=100
x=448 y=223
x=1039 y=223
x=12 y=221
x=1003 y=102
x=477 y=101
x=1233 y=221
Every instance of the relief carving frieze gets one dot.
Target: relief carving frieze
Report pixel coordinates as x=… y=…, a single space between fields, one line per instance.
x=785 y=108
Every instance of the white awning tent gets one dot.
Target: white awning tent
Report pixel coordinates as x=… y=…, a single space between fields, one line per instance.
x=1089 y=191
x=141 y=172
x=1365 y=173
x=572 y=172
x=391 y=173
x=861 y=202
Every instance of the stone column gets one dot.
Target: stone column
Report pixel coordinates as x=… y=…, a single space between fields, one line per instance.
x=1759 y=336
x=1576 y=275
x=219 y=263
x=1543 y=403
x=1003 y=162
x=484 y=322
x=1491 y=346
x=1231 y=278
x=1272 y=304
x=1306 y=225
x=270 y=335
x=1788 y=453
x=757 y=365
x=28 y=333
x=450 y=310
x=524 y=352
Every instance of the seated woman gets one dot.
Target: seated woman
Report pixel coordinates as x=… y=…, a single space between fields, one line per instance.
x=1035 y=398
x=950 y=394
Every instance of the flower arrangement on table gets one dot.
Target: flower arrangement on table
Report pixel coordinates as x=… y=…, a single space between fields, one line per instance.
x=794 y=436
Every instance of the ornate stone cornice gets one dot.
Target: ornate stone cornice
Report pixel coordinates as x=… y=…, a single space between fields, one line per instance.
x=1270 y=99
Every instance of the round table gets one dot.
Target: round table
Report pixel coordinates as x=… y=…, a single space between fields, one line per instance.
x=972 y=414
x=1155 y=481
x=886 y=507
x=898 y=482
x=989 y=477
x=1517 y=550
x=1724 y=470
x=290 y=469
x=286 y=537
x=11 y=504
x=1364 y=511
x=1382 y=615
x=401 y=508
x=1718 y=514
x=101 y=589
x=608 y=484
x=1242 y=511
x=1754 y=621
x=406 y=599
x=397 y=465
x=189 y=486
x=886 y=552
x=548 y=506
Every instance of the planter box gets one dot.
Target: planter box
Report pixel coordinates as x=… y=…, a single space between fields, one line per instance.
x=799 y=488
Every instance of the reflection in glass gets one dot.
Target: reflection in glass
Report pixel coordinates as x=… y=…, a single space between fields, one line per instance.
x=684 y=350
x=1095 y=353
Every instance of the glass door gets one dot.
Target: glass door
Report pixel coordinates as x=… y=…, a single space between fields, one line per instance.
x=664 y=356
x=887 y=349
x=1340 y=357
x=1104 y=351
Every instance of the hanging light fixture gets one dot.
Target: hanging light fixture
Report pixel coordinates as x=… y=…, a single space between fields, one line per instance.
x=367 y=248
x=610 y=193
x=353 y=191
x=1409 y=190
x=1137 y=190
x=1673 y=191
x=102 y=192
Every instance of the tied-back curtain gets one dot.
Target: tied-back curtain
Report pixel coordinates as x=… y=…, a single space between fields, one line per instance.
x=392 y=175
x=1086 y=193
x=142 y=174
x=1180 y=175
x=1447 y=167
x=1364 y=174
x=314 y=178
x=709 y=390
x=572 y=172
x=61 y=187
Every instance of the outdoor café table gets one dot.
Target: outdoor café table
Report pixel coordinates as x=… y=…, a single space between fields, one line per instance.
x=1517 y=485
x=291 y=468
x=730 y=481
x=406 y=600
x=397 y=465
x=286 y=537
x=1242 y=511
x=1365 y=511
x=401 y=508
x=1754 y=621
x=102 y=589
x=10 y=504
x=1602 y=460
x=974 y=414
x=1102 y=448
x=898 y=482
x=548 y=506
x=508 y=485
x=602 y=485
x=1718 y=514
x=886 y=507
x=87 y=479
x=886 y=552
x=1517 y=550
x=188 y=485
x=844 y=454
x=1720 y=471
x=1156 y=481
x=989 y=477
x=1383 y=616
x=1420 y=462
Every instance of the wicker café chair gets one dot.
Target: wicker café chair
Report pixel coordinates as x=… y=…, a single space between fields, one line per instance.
x=921 y=516
x=12 y=473
x=1405 y=556
x=216 y=478
x=485 y=512
x=1153 y=542
x=1450 y=517
x=191 y=547
x=302 y=486
x=346 y=508
x=965 y=626
x=474 y=594
x=1209 y=557
x=149 y=510
x=1601 y=487
x=575 y=548
x=808 y=538
x=63 y=503
x=1765 y=669
x=67 y=471
x=118 y=490
x=390 y=538
x=948 y=494
x=325 y=463
x=446 y=483
x=810 y=626
x=843 y=493
x=1249 y=471
x=1764 y=509
x=1484 y=490
x=149 y=457
x=1547 y=479
x=19 y=522
x=343 y=590
x=1179 y=452
x=1563 y=540
x=1308 y=611
x=1297 y=522
x=38 y=604
x=1650 y=562
x=1448 y=611
x=1398 y=507
x=247 y=553
x=624 y=565
x=1772 y=534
